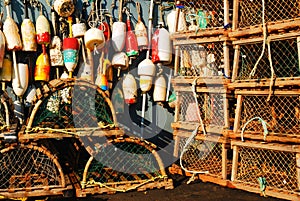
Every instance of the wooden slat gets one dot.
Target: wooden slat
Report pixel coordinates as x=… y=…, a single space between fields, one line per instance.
x=259 y=83
x=268 y=146
x=271 y=27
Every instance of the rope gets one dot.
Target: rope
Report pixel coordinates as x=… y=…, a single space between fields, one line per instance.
x=93 y=182
x=265 y=41
x=264 y=124
x=194 y=133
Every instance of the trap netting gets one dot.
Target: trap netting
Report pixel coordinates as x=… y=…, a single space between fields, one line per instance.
x=281 y=113
x=250 y=12
x=77 y=105
x=204 y=14
x=201 y=156
x=202 y=60
x=284 y=54
x=28 y=167
x=123 y=164
x=210 y=106
x=277 y=167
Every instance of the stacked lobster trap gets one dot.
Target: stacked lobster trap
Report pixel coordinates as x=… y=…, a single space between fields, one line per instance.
x=265 y=78
x=71 y=147
x=202 y=112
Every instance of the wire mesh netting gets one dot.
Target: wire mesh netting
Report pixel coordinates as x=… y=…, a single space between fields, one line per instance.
x=277 y=167
x=211 y=106
x=124 y=165
x=74 y=107
x=282 y=114
x=29 y=167
x=284 y=55
x=201 y=59
x=202 y=156
x=203 y=13
x=251 y=11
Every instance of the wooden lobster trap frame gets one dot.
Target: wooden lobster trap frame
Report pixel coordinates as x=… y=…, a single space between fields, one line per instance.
x=202 y=147
x=202 y=18
x=271 y=169
x=202 y=56
x=274 y=114
x=249 y=17
x=277 y=58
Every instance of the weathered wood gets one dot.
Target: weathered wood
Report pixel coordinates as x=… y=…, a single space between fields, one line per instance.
x=266 y=92
x=258 y=29
x=203 y=40
x=236 y=61
x=298 y=169
x=224 y=161
x=208 y=32
x=235 y=162
x=260 y=83
x=268 y=146
x=190 y=127
x=238 y=112
x=235 y=18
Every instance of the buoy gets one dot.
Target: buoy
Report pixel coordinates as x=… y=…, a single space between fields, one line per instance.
x=13 y=39
x=131 y=41
x=120 y=61
x=140 y=30
x=6 y=70
x=70 y=50
x=78 y=29
x=28 y=32
x=101 y=79
x=129 y=89
x=171 y=22
x=146 y=71
x=160 y=86
x=161 y=43
x=119 y=32
x=22 y=79
x=42 y=67
x=64 y=8
x=94 y=39
x=56 y=56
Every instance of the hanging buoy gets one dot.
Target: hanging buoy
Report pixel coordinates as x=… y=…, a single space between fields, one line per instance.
x=101 y=79
x=22 y=79
x=6 y=70
x=146 y=71
x=131 y=41
x=140 y=30
x=94 y=39
x=160 y=87
x=13 y=39
x=64 y=8
x=171 y=22
x=56 y=56
x=78 y=29
x=120 y=61
x=70 y=50
x=28 y=32
x=161 y=43
x=129 y=89
x=119 y=32
x=43 y=30
x=42 y=67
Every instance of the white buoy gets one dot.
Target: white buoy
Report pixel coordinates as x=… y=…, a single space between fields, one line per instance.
x=22 y=79
x=120 y=61
x=129 y=89
x=118 y=32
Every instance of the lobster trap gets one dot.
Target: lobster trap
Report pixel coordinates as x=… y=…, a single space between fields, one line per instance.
x=204 y=57
x=203 y=15
x=121 y=165
x=68 y=108
x=249 y=16
x=269 y=169
x=31 y=170
x=276 y=116
x=255 y=60
x=205 y=99
x=202 y=118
